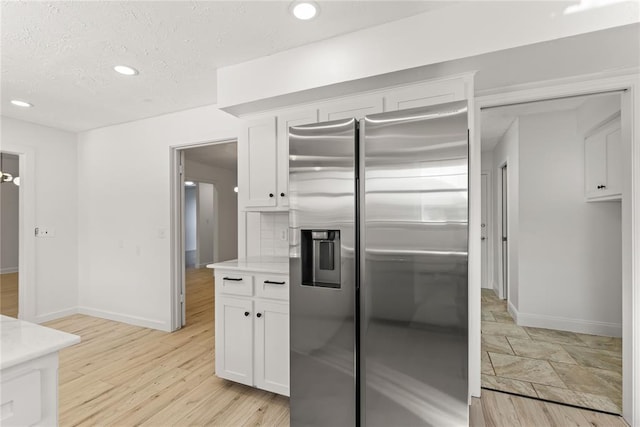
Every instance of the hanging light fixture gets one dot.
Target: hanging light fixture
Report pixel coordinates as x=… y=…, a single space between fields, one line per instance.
x=5 y=176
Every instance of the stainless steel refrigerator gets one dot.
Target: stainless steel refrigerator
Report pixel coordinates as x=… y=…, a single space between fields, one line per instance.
x=378 y=269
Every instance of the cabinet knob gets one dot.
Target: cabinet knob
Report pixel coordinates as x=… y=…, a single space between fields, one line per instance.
x=270 y=194
x=246 y=313
x=259 y=314
x=281 y=194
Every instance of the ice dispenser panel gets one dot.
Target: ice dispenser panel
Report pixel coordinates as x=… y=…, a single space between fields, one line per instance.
x=321 y=258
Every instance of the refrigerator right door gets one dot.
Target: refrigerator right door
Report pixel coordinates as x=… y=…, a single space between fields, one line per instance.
x=414 y=320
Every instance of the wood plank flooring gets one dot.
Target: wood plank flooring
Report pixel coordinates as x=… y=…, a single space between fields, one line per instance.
x=9 y=294
x=123 y=375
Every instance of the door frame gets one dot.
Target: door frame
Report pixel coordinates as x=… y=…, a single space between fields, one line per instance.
x=177 y=178
x=627 y=81
x=27 y=292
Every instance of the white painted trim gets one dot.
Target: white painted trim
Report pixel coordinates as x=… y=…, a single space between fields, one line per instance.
x=27 y=291
x=474 y=247
x=567 y=324
x=125 y=318
x=56 y=315
x=9 y=270
x=580 y=85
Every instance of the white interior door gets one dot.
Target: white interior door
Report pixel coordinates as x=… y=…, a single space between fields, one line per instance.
x=484 y=230
x=183 y=279
x=503 y=234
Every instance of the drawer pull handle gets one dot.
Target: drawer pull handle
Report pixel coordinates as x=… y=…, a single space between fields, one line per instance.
x=271 y=282
x=233 y=279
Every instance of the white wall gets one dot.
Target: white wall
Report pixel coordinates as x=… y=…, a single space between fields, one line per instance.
x=190 y=218
x=9 y=216
x=507 y=152
x=227 y=199
x=124 y=207
x=413 y=42
x=206 y=224
x=55 y=259
x=570 y=259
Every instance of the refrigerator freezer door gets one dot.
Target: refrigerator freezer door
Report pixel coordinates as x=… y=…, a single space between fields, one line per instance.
x=322 y=273
x=413 y=288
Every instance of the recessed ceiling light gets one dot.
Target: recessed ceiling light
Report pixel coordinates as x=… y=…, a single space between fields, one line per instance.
x=305 y=10
x=23 y=104
x=127 y=71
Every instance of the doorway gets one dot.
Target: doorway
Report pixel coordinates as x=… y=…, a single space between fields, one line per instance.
x=10 y=232
x=554 y=332
x=206 y=226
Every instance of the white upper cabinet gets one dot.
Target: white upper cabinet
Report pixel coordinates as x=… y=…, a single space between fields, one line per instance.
x=355 y=107
x=285 y=121
x=603 y=163
x=432 y=94
x=257 y=163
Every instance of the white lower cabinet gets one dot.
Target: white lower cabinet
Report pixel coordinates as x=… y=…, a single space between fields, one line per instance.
x=234 y=347
x=252 y=331
x=271 y=349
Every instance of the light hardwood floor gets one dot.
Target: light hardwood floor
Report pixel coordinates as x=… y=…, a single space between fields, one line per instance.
x=9 y=294
x=122 y=375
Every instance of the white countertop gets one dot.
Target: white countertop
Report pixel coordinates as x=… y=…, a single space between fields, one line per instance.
x=22 y=341
x=271 y=264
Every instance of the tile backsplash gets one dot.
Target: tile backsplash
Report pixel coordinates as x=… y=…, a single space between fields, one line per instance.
x=274 y=233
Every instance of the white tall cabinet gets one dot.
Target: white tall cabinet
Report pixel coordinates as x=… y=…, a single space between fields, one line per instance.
x=252 y=322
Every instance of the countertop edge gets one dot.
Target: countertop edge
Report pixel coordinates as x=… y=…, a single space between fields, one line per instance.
x=35 y=354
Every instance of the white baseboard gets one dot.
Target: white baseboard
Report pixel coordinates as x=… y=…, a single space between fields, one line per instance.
x=8 y=270
x=513 y=312
x=125 y=318
x=566 y=324
x=55 y=315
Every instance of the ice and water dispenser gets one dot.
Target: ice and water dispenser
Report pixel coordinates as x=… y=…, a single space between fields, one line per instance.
x=321 y=258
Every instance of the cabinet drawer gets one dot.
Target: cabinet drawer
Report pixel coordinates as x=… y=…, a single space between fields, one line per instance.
x=234 y=283
x=21 y=403
x=272 y=286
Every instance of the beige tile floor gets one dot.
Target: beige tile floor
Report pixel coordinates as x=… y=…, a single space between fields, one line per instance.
x=567 y=367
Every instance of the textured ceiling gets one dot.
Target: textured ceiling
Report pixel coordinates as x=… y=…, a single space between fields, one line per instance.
x=59 y=55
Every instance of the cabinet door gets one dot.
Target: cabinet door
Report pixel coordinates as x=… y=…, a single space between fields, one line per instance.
x=258 y=188
x=272 y=346
x=285 y=121
x=614 y=160
x=595 y=166
x=234 y=339
x=431 y=94
x=357 y=108
x=603 y=163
